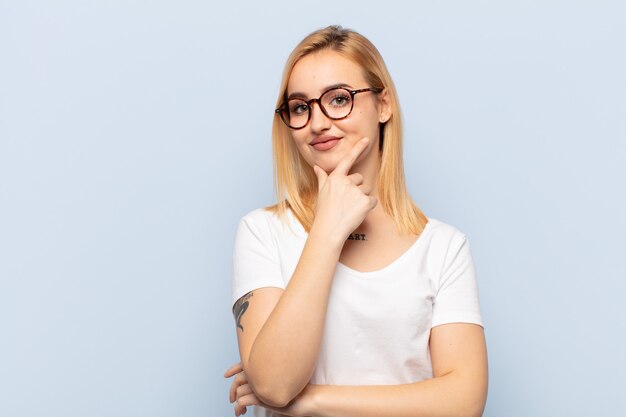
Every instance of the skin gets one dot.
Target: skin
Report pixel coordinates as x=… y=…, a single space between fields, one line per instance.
x=313 y=75
x=276 y=375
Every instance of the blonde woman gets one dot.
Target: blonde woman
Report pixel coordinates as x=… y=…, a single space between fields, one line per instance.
x=348 y=300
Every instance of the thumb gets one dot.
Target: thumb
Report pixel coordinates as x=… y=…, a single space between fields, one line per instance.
x=321 y=176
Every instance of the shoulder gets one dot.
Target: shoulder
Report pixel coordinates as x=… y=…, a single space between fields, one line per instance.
x=441 y=232
x=267 y=221
x=263 y=217
x=443 y=243
x=258 y=221
x=258 y=215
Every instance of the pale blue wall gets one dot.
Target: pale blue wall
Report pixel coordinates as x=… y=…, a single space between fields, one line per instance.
x=126 y=126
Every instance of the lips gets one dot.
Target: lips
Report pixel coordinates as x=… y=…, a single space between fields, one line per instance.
x=324 y=143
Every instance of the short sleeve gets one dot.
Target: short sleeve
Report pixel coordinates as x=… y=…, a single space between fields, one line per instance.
x=456 y=299
x=255 y=257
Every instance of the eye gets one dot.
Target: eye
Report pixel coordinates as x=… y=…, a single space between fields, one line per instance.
x=340 y=99
x=297 y=108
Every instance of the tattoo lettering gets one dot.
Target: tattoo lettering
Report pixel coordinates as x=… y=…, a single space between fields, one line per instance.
x=357 y=236
x=240 y=307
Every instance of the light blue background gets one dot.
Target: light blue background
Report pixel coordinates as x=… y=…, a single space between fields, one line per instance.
x=134 y=135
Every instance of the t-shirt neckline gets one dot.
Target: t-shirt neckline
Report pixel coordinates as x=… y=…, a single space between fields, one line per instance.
x=389 y=266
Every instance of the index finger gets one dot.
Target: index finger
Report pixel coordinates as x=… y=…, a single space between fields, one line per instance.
x=233 y=370
x=346 y=163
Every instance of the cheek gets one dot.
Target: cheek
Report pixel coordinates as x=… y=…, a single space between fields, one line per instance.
x=363 y=123
x=299 y=139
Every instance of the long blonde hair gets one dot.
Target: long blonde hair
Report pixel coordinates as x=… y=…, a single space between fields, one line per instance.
x=296 y=183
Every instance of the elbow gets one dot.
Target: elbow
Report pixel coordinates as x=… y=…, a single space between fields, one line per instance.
x=272 y=390
x=272 y=387
x=273 y=395
x=475 y=406
x=476 y=413
x=466 y=409
x=471 y=399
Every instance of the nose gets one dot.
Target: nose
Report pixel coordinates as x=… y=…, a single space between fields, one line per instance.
x=319 y=121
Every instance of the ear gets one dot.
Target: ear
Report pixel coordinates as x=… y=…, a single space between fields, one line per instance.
x=384 y=106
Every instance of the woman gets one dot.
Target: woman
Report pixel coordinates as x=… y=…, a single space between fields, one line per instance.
x=348 y=300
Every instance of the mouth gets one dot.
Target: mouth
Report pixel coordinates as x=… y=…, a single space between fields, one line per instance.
x=324 y=143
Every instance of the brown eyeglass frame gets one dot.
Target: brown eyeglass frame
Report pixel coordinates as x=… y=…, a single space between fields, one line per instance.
x=284 y=108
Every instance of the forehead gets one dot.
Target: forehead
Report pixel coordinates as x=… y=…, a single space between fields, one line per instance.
x=314 y=73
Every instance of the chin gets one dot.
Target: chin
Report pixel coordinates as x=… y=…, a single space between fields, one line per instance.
x=328 y=165
x=328 y=161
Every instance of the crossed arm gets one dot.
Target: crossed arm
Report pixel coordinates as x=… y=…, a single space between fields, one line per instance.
x=280 y=336
x=280 y=332
x=458 y=387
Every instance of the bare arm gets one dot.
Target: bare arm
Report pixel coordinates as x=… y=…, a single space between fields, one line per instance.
x=458 y=387
x=280 y=332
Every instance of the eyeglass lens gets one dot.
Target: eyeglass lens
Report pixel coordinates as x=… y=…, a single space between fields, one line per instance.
x=336 y=104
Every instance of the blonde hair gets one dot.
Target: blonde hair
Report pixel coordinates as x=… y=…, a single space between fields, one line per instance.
x=296 y=183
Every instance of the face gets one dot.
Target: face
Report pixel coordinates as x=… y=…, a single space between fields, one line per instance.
x=323 y=141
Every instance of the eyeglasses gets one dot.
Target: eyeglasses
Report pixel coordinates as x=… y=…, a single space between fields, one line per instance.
x=336 y=104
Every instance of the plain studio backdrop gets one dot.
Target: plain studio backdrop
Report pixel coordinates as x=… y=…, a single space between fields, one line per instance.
x=134 y=135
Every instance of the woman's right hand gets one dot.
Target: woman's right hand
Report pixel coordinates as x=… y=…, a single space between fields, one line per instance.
x=242 y=395
x=240 y=392
x=343 y=201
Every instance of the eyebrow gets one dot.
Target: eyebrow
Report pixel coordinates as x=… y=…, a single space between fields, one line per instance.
x=330 y=87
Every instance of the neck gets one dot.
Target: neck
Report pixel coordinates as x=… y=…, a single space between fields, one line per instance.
x=370 y=169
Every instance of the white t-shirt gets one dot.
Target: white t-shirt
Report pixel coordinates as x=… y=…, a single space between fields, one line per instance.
x=378 y=323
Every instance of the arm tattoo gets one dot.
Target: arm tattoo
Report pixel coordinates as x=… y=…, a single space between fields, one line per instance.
x=240 y=307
